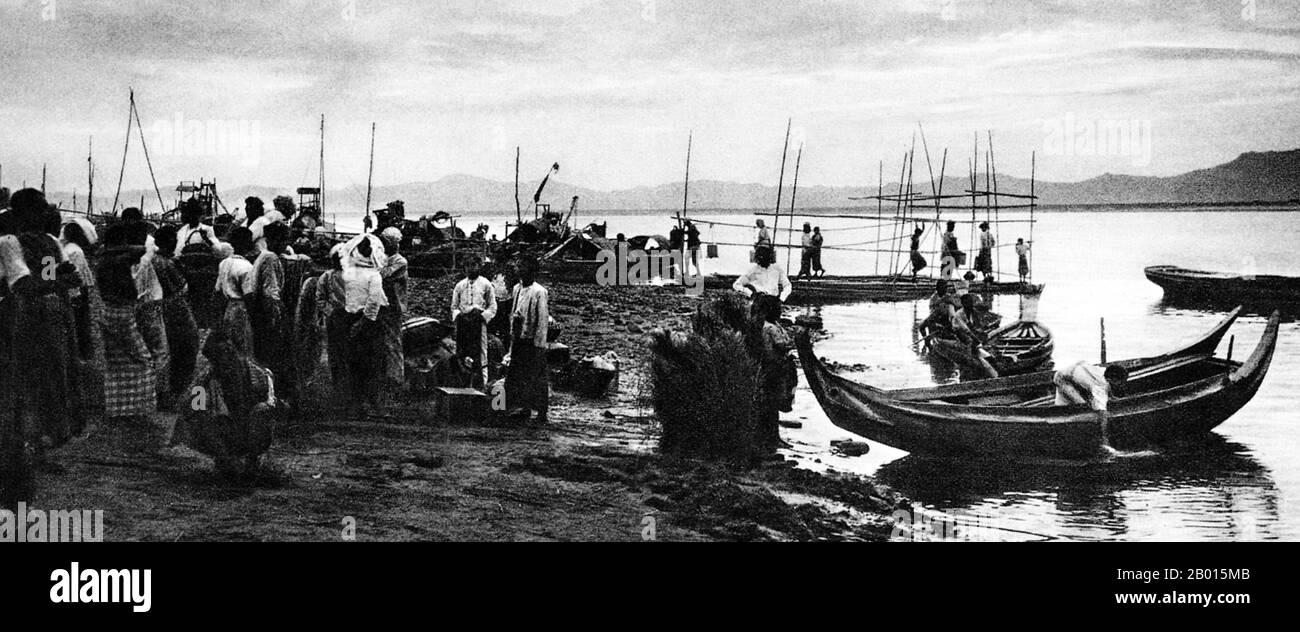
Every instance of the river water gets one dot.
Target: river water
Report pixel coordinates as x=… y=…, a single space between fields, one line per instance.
x=1241 y=483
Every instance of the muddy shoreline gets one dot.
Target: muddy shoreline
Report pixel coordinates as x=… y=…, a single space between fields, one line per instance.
x=592 y=473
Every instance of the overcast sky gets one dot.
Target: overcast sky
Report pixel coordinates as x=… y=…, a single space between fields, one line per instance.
x=610 y=88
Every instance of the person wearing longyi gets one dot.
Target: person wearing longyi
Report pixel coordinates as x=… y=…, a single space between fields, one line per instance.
x=766 y=277
x=473 y=305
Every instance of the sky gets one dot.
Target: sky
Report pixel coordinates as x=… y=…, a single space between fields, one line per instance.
x=611 y=89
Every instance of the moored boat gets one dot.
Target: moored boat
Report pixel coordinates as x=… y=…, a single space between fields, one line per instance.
x=1220 y=287
x=1171 y=396
x=1019 y=347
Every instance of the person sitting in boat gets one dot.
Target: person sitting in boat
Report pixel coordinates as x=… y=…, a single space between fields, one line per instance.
x=1085 y=383
x=766 y=277
x=966 y=323
x=941 y=309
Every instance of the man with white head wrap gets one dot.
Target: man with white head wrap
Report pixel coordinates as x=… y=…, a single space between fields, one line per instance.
x=355 y=335
x=394 y=273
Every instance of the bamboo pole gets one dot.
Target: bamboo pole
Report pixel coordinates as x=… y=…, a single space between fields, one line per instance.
x=130 y=118
x=776 y=217
x=144 y=147
x=794 y=190
x=519 y=214
x=880 y=195
x=371 y=174
x=1033 y=168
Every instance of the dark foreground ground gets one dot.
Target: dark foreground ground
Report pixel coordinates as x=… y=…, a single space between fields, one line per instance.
x=592 y=473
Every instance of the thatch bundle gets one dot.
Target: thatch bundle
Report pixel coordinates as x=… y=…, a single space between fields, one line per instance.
x=704 y=384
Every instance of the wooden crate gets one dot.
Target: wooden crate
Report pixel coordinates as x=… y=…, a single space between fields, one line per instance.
x=453 y=405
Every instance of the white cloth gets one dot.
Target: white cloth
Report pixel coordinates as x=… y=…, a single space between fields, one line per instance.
x=363 y=284
x=1082 y=383
x=986 y=240
x=530 y=307
x=77 y=257
x=770 y=280
x=477 y=293
x=235 y=277
x=146 y=279
x=202 y=234
x=1022 y=249
x=806 y=240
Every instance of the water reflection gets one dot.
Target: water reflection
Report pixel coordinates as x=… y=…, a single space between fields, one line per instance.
x=1174 y=305
x=1212 y=489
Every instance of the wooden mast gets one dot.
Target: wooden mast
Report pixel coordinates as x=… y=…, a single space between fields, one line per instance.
x=371 y=174
x=776 y=217
x=320 y=196
x=519 y=214
x=794 y=190
x=686 y=183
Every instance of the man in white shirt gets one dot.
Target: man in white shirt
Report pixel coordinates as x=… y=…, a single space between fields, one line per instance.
x=765 y=277
x=526 y=377
x=473 y=304
x=193 y=231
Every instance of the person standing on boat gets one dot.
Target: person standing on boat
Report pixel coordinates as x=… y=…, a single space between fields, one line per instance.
x=473 y=305
x=984 y=260
x=805 y=253
x=693 y=246
x=918 y=261
x=1085 y=383
x=526 y=378
x=764 y=238
x=765 y=277
x=816 y=242
x=1022 y=251
x=950 y=256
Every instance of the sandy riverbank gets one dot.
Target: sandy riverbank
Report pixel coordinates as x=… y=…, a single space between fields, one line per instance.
x=591 y=474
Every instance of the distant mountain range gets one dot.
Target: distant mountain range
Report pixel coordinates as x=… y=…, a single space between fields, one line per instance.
x=1272 y=177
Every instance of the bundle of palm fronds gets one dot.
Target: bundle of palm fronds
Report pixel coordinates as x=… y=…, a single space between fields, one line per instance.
x=704 y=384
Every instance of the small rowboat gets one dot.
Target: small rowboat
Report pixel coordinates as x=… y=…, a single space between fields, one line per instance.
x=1176 y=395
x=1017 y=348
x=1220 y=287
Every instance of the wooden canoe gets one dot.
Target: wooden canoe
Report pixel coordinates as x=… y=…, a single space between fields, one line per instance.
x=853 y=289
x=1020 y=347
x=1221 y=287
x=1170 y=396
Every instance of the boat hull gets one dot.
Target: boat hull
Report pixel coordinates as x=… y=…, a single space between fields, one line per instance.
x=1218 y=288
x=1176 y=396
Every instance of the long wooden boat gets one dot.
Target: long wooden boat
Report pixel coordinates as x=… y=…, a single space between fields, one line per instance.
x=1020 y=347
x=1170 y=396
x=1220 y=287
x=853 y=289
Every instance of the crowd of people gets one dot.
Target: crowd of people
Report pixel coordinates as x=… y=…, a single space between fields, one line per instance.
x=101 y=329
